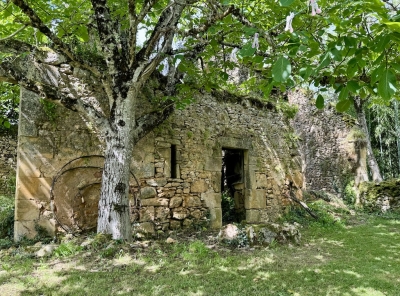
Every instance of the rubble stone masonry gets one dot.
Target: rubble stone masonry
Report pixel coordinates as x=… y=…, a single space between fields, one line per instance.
x=179 y=169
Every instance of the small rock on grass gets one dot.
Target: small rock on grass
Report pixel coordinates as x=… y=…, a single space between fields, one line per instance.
x=46 y=250
x=170 y=240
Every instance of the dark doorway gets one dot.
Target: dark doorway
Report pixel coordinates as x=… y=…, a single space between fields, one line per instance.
x=232 y=185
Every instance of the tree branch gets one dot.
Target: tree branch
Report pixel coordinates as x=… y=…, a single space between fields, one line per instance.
x=241 y=18
x=37 y=23
x=148 y=122
x=14 y=34
x=209 y=22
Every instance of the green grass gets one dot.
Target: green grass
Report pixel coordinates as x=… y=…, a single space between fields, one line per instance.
x=359 y=258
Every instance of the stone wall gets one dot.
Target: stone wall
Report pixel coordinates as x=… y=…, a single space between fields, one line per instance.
x=176 y=169
x=8 y=161
x=330 y=156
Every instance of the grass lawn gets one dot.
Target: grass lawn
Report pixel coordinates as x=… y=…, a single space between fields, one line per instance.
x=361 y=258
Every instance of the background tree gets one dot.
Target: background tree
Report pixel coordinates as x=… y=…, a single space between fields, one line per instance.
x=95 y=57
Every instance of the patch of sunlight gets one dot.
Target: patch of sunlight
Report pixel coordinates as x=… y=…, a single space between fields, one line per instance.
x=139 y=262
x=152 y=268
x=333 y=242
x=185 y=272
x=197 y=293
x=362 y=291
x=387 y=233
x=256 y=262
x=262 y=276
x=126 y=259
x=380 y=226
x=378 y=258
x=321 y=258
x=12 y=289
x=357 y=275
x=227 y=269
x=396 y=222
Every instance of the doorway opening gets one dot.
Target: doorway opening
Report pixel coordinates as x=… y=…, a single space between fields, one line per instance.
x=232 y=185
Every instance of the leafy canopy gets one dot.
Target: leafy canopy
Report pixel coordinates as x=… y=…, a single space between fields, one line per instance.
x=352 y=46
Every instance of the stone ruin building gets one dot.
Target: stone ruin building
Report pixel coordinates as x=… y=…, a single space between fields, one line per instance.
x=217 y=144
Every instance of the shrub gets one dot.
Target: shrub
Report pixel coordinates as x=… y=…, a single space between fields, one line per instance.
x=6 y=217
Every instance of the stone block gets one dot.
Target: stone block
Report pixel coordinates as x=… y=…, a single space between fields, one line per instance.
x=191 y=201
x=253 y=216
x=196 y=214
x=261 y=181
x=33 y=188
x=211 y=199
x=187 y=223
x=199 y=186
x=174 y=224
x=175 y=202
x=180 y=213
x=216 y=182
x=215 y=218
x=256 y=199
x=146 y=228
x=162 y=214
x=24 y=229
x=26 y=210
x=146 y=214
x=157 y=202
x=147 y=192
x=160 y=182
x=213 y=164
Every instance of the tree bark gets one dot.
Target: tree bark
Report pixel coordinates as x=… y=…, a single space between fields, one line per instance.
x=371 y=160
x=114 y=210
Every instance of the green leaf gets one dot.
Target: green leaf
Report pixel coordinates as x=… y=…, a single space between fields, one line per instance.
x=376 y=74
x=353 y=86
x=82 y=34
x=352 y=67
x=281 y=70
x=393 y=26
x=286 y=2
x=387 y=85
x=223 y=75
x=306 y=72
x=380 y=43
x=247 y=50
x=344 y=94
x=320 y=102
x=249 y=31
x=8 y=11
x=343 y=105
x=258 y=59
x=6 y=124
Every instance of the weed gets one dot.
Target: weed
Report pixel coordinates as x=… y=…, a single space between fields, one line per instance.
x=6 y=217
x=67 y=249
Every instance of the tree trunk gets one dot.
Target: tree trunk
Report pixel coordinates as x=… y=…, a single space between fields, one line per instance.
x=114 y=210
x=371 y=160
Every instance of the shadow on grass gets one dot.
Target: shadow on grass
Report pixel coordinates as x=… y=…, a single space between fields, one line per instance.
x=364 y=260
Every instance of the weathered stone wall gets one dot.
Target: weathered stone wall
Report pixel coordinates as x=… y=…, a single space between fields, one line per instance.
x=200 y=132
x=190 y=143
x=45 y=145
x=8 y=161
x=330 y=157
